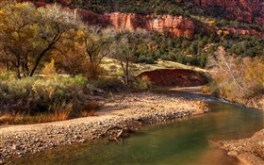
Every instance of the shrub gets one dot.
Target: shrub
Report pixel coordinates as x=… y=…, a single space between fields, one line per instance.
x=110 y=84
x=35 y=95
x=146 y=59
x=142 y=83
x=237 y=78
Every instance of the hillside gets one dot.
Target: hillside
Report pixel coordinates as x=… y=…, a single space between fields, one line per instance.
x=203 y=25
x=242 y=15
x=249 y=11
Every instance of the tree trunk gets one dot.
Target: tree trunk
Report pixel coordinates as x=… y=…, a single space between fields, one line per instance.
x=18 y=67
x=126 y=72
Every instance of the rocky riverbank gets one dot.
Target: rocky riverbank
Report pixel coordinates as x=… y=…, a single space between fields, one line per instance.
x=256 y=102
x=248 y=151
x=119 y=117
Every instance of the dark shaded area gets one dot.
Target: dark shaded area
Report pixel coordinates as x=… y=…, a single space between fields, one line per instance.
x=176 y=77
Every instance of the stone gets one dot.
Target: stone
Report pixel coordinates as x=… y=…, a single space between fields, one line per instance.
x=232 y=153
x=14 y=147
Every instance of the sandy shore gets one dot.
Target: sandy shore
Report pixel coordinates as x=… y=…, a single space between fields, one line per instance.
x=119 y=117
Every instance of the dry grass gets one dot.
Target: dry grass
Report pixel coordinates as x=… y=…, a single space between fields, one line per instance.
x=62 y=113
x=89 y=110
x=26 y=119
x=111 y=66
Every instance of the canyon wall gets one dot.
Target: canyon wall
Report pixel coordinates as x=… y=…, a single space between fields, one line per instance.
x=176 y=26
x=250 y=11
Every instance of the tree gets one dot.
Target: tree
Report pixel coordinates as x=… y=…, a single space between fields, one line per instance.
x=17 y=32
x=95 y=42
x=29 y=35
x=125 y=47
x=56 y=22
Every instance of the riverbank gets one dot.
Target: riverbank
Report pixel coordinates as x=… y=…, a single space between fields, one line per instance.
x=249 y=151
x=120 y=116
x=256 y=102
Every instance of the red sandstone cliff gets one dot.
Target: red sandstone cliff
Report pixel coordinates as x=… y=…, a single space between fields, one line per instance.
x=175 y=25
x=245 y=10
x=250 y=11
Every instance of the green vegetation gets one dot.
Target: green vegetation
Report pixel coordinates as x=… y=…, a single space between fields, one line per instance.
x=51 y=62
x=141 y=7
x=244 y=46
x=64 y=96
x=159 y=7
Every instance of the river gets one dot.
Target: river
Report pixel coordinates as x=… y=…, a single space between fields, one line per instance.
x=185 y=142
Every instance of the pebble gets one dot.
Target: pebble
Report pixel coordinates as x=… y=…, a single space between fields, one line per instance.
x=232 y=153
x=22 y=143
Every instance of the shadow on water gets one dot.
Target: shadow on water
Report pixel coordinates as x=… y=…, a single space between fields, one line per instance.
x=179 y=143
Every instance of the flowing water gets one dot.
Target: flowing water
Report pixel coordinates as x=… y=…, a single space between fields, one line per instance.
x=184 y=142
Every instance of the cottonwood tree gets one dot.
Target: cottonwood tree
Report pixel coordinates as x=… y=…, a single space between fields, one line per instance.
x=29 y=35
x=125 y=47
x=96 y=41
x=17 y=32
x=225 y=74
x=56 y=22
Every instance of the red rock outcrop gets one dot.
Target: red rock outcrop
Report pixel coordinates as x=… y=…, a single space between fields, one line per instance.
x=175 y=77
x=250 y=11
x=176 y=26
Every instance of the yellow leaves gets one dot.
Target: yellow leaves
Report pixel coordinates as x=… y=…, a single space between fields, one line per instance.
x=15 y=35
x=212 y=22
x=80 y=33
x=49 y=70
x=254 y=70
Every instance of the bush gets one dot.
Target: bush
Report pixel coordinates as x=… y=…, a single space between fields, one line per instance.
x=110 y=84
x=142 y=84
x=146 y=59
x=237 y=78
x=35 y=95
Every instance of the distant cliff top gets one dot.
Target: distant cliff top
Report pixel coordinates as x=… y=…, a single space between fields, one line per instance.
x=248 y=11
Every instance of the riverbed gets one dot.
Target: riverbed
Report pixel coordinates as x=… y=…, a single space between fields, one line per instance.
x=185 y=142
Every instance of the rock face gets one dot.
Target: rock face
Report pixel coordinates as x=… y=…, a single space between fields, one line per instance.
x=176 y=26
x=175 y=77
x=250 y=11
